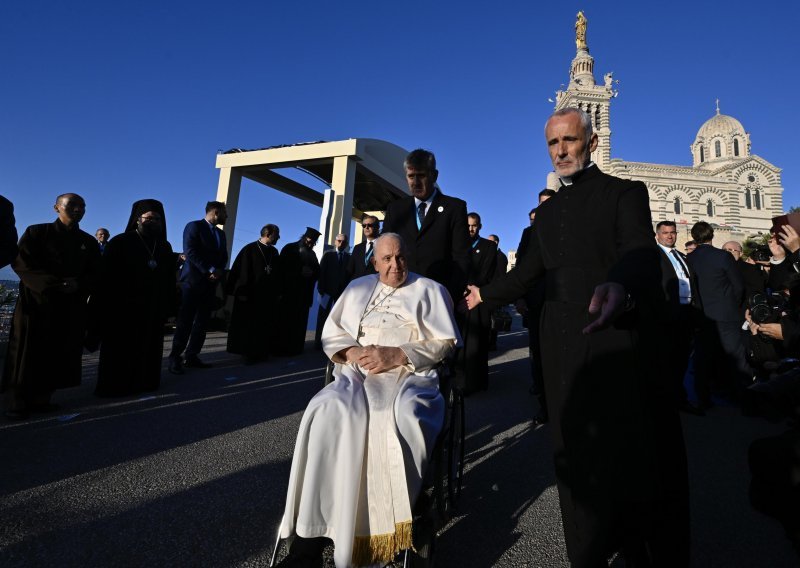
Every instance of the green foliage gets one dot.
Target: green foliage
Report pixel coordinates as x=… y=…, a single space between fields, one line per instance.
x=794 y=209
x=752 y=242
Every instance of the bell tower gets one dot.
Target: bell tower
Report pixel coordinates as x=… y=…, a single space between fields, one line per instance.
x=585 y=94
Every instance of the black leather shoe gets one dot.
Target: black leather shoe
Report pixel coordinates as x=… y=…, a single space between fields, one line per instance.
x=195 y=363
x=293 y=560
x=175 y=367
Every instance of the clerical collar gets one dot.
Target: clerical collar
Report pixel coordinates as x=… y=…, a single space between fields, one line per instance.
x=567 y=181
x=428 y=201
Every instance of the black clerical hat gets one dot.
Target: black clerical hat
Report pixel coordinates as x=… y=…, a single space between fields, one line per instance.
x=143 y=206
x=312 y=233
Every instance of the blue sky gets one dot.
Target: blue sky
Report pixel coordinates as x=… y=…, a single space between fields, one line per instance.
x=123 y=100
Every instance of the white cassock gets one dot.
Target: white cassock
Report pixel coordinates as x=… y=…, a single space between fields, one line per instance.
x=365 y=440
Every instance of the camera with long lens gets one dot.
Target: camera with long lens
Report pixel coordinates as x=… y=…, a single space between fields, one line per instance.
x=767 y=308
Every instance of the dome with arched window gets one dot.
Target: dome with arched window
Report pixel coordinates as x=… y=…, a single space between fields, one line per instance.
x=721 y=137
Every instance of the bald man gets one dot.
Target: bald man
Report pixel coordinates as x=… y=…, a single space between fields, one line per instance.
x=58 y=265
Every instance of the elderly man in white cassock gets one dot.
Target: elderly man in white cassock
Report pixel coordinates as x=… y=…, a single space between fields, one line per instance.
x=366 y=438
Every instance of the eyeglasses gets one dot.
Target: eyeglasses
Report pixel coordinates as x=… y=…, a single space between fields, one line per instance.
x=369 y=225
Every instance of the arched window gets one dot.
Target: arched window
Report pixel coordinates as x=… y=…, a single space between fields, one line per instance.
x=757 y=195
x=717 y=149
x=677 y=206
x=735 y=146
x=710 y=208
x=702 y=155
x=748 y=199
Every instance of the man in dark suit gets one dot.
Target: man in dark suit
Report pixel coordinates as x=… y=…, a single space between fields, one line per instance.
x=679 y=318
x=619 y=453
x=720 y=349
x=332 y=282
x=433 y=226
x=206 y=251
x=360 y=263
x=8 y=233
x=753 y=275
x=501 y=264
x=473 y=358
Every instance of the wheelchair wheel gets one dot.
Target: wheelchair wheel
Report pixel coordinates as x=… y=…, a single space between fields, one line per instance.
x=452 y=466
x=328 y=374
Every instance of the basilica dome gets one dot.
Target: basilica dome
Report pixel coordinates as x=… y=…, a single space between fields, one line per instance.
x=722 y=138
x=720 y=125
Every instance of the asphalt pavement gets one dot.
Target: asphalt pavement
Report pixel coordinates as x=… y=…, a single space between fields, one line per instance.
x=196 y=474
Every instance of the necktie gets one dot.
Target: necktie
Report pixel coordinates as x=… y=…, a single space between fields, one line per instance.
x=420 y=213
x=215 y=233
x=680 y=261
x=369 y=254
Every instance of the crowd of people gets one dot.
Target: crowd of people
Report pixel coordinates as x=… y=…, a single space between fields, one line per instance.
x=615 y=321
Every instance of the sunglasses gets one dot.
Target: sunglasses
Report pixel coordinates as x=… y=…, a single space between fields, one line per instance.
x=369 y=225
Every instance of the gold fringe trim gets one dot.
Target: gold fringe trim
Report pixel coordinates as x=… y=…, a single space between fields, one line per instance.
x=382 y=547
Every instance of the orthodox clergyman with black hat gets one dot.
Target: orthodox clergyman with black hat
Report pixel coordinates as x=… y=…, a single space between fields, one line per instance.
x=301 y=271
x=137 y=294
x=58 y=266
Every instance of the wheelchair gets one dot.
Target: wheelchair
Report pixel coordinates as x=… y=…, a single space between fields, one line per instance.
x=443 y=479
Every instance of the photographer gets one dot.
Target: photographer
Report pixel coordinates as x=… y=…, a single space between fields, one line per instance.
x=784 y=246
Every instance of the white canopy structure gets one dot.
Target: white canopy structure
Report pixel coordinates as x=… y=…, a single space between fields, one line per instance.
x=364 y=176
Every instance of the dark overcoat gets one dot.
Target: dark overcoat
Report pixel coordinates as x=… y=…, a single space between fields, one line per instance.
x=49 y=326
x=619 y=454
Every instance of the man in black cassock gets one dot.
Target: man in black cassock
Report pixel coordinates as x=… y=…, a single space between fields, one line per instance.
x=138 y=292
x=332 y=282
x=301 y=270
x=255 y=281
x=473 y=358
x=619 y=454
x=58 y=265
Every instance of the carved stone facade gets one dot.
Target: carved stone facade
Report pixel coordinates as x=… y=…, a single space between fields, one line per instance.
x=738 y=192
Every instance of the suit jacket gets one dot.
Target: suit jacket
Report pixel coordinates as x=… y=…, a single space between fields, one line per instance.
x=356 y=266
x=333 y=274
x=669 y=283
x=440 y=250
x=202 y=252
x=719 y=282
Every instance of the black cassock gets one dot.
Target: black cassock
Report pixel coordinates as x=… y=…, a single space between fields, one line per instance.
x=49 y=326
x=619 y=454
x=301 y=270
x=255 y=281
x=476 y=325
x=133 y=304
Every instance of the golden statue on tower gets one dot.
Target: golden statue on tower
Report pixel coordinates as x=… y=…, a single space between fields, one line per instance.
x=580 y=32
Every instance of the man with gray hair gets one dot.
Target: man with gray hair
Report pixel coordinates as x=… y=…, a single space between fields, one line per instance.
x=619 y=453
x=365 y=439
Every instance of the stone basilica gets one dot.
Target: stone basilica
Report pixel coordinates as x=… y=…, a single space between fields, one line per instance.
x=726 y=185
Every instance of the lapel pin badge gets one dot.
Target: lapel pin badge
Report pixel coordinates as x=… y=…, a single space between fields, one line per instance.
x=440 y=209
